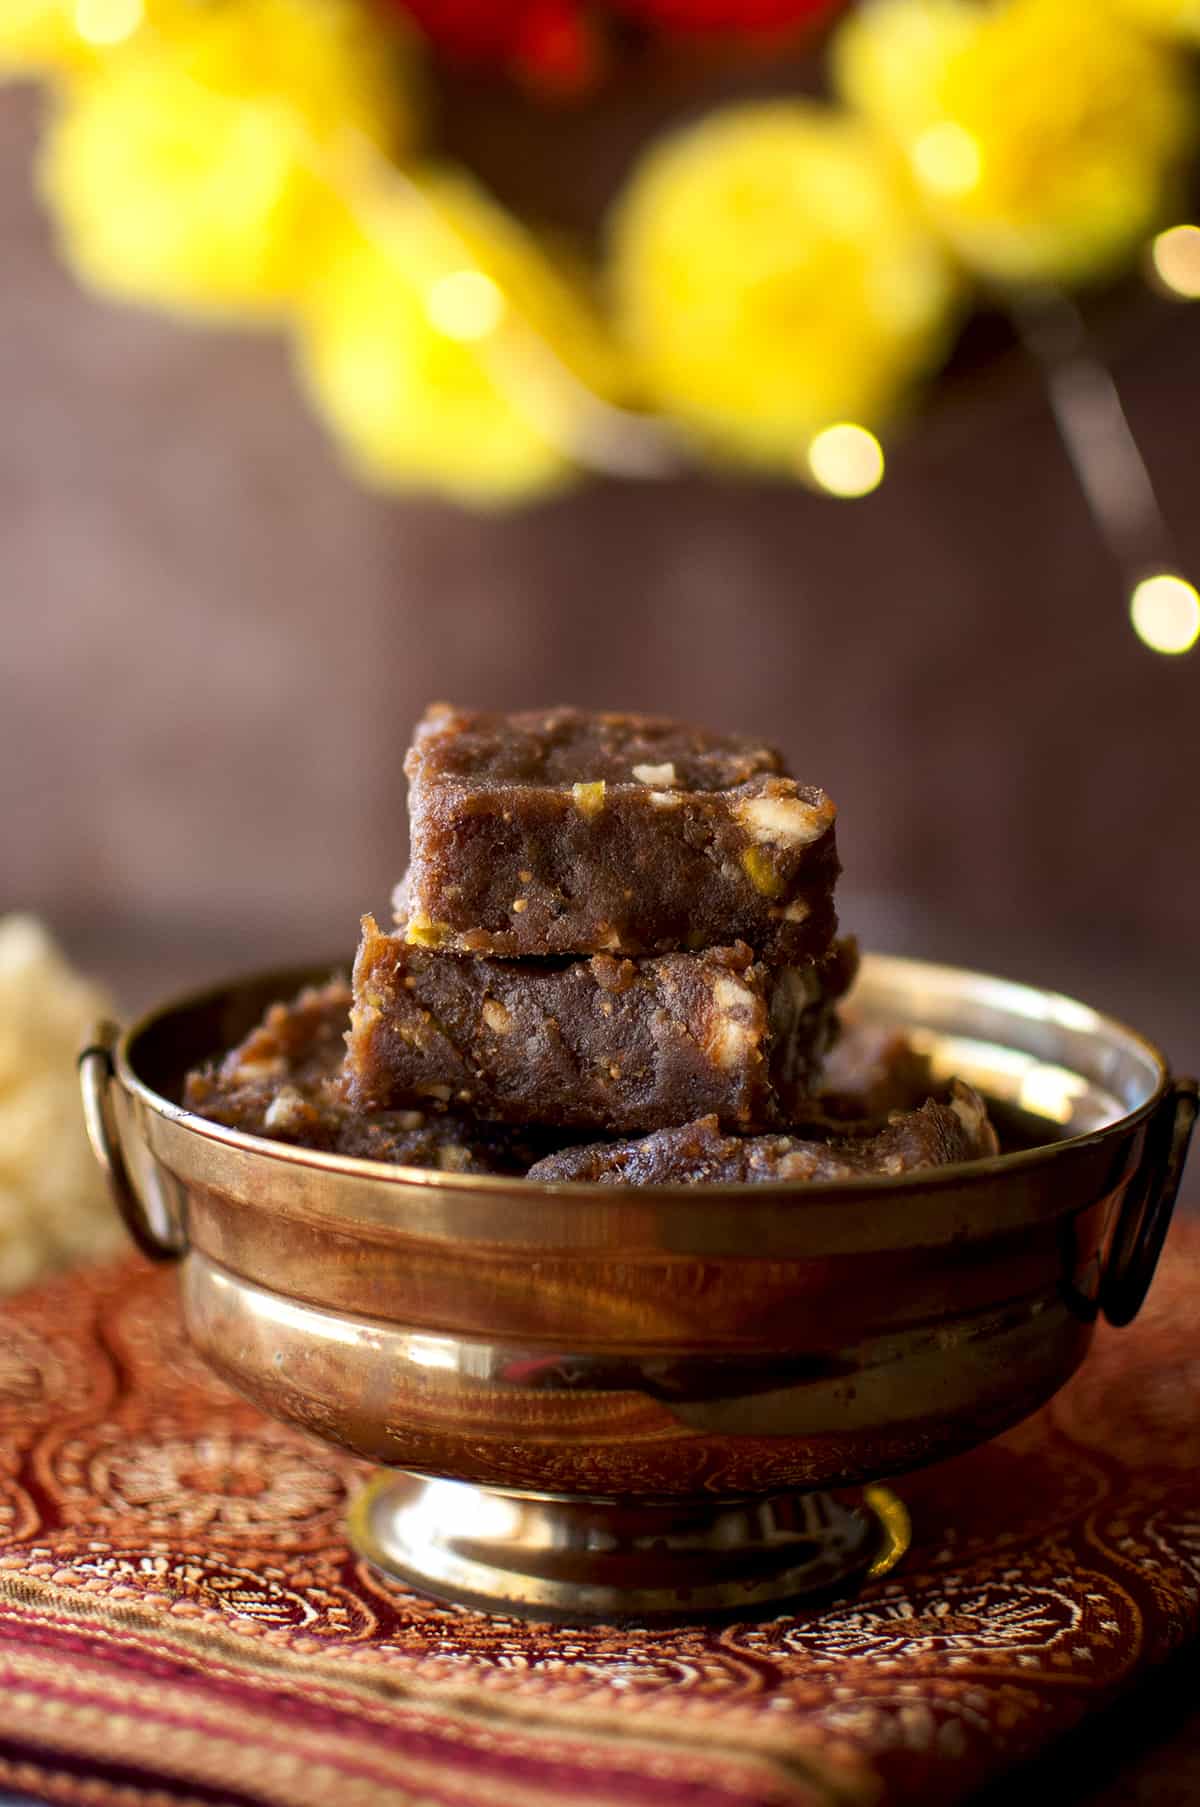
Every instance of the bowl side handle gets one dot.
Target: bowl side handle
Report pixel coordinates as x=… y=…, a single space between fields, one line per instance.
x=97 y=1076
x=1149 y=1201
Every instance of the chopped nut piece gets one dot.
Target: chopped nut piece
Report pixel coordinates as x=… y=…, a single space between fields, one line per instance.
x=520 y=904
x=728 y=993
x=454 y=1160
x=422 y=932
x=589 y=798
x=285 y=1111
x=662 y=776
x=762 y=872
x=732 y=1044
x=252 y=1072
x=789 y=821
x=496 y=1016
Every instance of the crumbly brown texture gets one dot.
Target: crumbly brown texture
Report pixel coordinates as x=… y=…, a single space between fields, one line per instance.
x=284 y=1079
x=562 y=832
x=285 y=1082
x=869 y=1072
x=936 y=1135
x=606 y=1044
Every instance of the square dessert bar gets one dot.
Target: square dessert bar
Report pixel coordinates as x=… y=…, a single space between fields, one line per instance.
x=284 y=1081
x=609 y=1044
x=562 y=832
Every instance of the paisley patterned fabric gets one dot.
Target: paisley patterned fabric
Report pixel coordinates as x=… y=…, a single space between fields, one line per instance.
x=181 y=1621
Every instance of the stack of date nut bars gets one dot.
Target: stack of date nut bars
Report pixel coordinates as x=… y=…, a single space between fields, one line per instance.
x=615 y=959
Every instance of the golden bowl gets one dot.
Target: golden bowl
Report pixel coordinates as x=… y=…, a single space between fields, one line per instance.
x=597 y=1402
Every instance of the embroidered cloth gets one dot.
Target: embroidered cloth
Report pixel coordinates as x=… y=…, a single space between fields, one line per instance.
x=181 y=1621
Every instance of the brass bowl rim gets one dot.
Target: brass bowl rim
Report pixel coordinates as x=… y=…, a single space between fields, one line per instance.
x=792 y=1193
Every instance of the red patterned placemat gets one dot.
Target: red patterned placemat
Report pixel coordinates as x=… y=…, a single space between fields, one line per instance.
x=182 y=1622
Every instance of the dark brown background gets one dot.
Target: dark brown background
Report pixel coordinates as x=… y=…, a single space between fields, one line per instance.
x=215 y=646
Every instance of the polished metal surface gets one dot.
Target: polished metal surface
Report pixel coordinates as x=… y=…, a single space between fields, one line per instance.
x=642 y=1422
x=1146 y=1213
x=585 y=1560
x=665 y=1344
x=160 y=1241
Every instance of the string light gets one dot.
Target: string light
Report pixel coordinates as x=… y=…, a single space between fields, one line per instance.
x=105 y=23
x=465 y=305
x=1175 y=255
x=1165 y=610
x=846 y=460
x=947 y=158
x=1163 y=607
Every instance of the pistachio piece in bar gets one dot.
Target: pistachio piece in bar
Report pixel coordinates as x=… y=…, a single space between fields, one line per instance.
x=609 y=1044
x=935 y=1135
x=564 y=832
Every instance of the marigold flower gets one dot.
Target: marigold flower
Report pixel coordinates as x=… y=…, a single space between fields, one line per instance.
x=193 y=169
x=445 y=349
x=1043 y=135
x=53 y=37
x=773 y=277
x=1170 y=18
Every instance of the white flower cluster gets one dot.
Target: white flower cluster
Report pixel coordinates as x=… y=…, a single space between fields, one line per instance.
x=54 y=1205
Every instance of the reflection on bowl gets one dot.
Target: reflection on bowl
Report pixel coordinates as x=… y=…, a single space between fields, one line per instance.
x=651 y=1369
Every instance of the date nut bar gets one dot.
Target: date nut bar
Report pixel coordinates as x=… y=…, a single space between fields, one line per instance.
x=699 y=1153
x=284 y=1081
x=563 y=832
x=610 y=1044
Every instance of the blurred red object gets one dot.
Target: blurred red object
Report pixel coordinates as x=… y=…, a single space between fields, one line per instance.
x=553 y=46
x=732 y=18
x=563 y=47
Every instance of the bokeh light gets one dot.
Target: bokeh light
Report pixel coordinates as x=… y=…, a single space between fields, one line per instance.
x=466 y=306
x=948 y=159
x=1175 y=255
x=1165 y=610
x=846 y=460
x=107 y=22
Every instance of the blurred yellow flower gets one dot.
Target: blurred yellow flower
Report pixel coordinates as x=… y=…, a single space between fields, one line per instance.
x=445 y=349
x=772 y=278
x=1171 y=18
x=44 y=37
x=191 y=169
x=1043 y=135
x=38 y=36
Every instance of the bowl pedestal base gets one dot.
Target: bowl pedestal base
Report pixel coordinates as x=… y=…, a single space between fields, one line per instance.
x=578 y=1561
